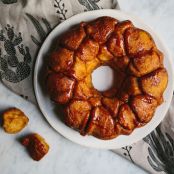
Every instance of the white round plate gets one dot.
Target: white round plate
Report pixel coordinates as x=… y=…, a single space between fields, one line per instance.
x=48 y=108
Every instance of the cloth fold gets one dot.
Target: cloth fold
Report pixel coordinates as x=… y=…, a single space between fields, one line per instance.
x=23 y=27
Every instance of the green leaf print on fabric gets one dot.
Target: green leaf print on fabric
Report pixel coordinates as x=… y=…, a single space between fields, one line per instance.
x=90 y=4
x=9 y=1
x=60 y=6
x=39 y=28
x=11 y=68
x=161 y=151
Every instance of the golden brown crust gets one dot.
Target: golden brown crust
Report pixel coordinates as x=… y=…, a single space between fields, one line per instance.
x=145 y=63
x=121 y=130
x=137 y=40
x=126 y=117
x=91 y=65
x=144 y=106
x=87 y=50
x=61 y=60
x=110 y=92
x=115 y=45
x=101 y=28
x=130 y=87
x=60 y=87
x=84 y=89
x=77 y=114
x=112 y=104
x=78 y=70
x=95 y=101
x=139 y=74
x=101 y=124
x=120 y=77
x=121 y=27
x=104 y=55
x=73 y=38
x=36 y=146
x=14 y=120
x=155 y=83
x=120 y=63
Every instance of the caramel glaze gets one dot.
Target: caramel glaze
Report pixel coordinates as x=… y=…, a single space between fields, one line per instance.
x=138 y=88
x=36 y=146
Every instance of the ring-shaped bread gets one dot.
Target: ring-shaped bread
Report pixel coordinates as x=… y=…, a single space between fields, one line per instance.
x=138 y=89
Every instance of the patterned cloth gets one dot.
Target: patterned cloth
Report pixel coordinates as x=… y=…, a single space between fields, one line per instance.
x=24 y=26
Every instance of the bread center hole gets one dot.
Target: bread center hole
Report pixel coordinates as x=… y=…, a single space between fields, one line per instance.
x=103 y=78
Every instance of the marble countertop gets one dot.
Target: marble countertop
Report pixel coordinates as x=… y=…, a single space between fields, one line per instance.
x=65 y=156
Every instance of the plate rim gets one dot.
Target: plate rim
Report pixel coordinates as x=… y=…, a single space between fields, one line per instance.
x=35 y=81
